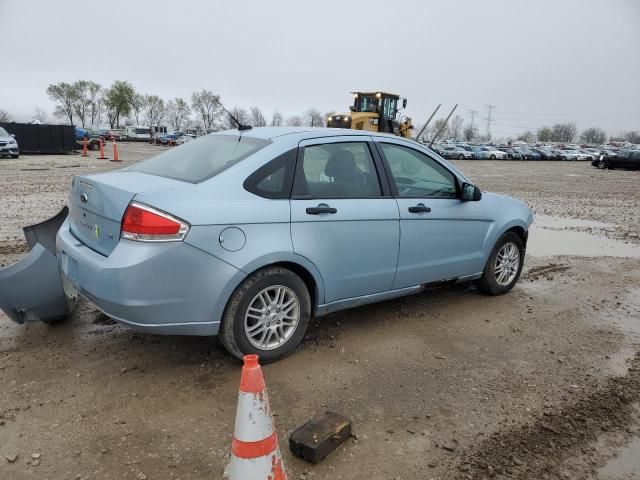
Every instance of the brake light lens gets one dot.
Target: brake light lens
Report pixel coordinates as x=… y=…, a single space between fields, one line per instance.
x=143 y=223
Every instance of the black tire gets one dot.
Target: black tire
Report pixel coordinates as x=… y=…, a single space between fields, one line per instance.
x=488 y=283
x=492 y=157
x=601 y=164
x=232 y=332
x=15 y=156
x=460 y=157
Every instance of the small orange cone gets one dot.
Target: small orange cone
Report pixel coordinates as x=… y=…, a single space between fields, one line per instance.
x=84 y=147
x=255 y=454
x=115 y=151
x=102 y=157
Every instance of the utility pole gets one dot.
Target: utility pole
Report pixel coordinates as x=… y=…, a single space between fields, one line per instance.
x=426 y=124
x=446 y=120
x=490 y=109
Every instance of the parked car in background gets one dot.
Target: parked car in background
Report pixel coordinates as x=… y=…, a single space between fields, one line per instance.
x=544 y=154
x=572 y=154
x=527 y=154
x=112 y=135
x=156 y=138
x=455 y=152
x=469 y=149
x=8 y=144
x=480 y=153
x=81 y=133
x=185 y=138
x=176 y=244
x=511 y=153
x=494 y=153
x=623 y=159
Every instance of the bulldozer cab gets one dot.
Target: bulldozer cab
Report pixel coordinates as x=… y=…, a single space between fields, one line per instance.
x=373 y=111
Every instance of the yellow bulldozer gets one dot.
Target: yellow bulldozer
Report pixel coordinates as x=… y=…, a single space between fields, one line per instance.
x=374 y=112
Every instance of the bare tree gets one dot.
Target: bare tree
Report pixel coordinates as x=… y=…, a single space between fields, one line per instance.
x=85 y=92
x=469 y=132
x=4 y=116
x=276 y=119
x=295 y=121
x=64 y=95
x=40 y=115
x=313 y=118
x=206 y=106
x=594 y=135
x=154 y=109
x=178 y=112
x=95 y=102
x=632 y=137
x=441 y=123
x=240 y=114
x=527 y=136
x=455 y=127
x=564 y=132
x=257 y=118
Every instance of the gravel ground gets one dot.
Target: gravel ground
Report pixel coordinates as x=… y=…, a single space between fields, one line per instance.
x=541 y=383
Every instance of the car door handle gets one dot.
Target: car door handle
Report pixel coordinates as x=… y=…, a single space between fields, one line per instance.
x=420 y=208
x=321 y=209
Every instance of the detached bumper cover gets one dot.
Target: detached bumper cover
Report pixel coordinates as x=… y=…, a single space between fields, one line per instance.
x=31 y=289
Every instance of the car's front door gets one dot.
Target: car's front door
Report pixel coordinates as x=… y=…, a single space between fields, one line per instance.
x=441 y=236
x=343 y=218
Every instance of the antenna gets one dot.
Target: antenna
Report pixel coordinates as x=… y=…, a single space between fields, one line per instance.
x=240 y=126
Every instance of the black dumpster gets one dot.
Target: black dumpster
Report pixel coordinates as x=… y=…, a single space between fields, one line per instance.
x=33 y=138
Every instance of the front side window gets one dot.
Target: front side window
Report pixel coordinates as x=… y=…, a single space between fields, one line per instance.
x=417 y=175
x=389 y=107
x=201 y=159
x=336 y=170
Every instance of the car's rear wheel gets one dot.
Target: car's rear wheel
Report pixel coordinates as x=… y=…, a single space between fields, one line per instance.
x=492 y=157
x=602 y=165
x=460 y=157
x=267 y=315
x=504 y=265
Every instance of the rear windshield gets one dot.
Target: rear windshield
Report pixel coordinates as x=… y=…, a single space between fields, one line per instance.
x=201 y=159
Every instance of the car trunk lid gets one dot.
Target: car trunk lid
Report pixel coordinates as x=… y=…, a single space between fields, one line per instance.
x=97 y=204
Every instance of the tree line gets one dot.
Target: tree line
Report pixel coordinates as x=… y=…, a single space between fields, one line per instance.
x=86 y=103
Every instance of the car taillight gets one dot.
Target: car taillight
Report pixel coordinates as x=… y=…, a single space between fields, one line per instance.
x=146 y=224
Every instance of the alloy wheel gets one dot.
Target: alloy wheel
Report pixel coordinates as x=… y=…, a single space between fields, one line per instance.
x=272 y=317
x=507 y=264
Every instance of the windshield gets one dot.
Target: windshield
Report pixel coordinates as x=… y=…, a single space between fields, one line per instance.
x=366 y=103
x=201 y=159
x=3 y=132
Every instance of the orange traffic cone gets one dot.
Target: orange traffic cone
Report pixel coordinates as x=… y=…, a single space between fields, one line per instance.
x=115 y=151
x=255 y=454
x=84 y=147
x=102 y=157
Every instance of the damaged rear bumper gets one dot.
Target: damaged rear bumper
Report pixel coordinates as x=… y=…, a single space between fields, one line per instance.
x=31 y=289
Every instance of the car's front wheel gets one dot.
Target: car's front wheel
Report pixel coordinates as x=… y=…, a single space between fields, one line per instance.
x=267 y=315
x=602 y=164
x=504 y=265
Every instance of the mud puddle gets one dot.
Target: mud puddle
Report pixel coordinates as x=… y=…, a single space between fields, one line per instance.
x=625 y=465
x=550 y=236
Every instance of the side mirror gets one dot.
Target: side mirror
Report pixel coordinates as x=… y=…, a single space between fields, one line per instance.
x=470 y=193
x=13 y=135
x=352 y=108
x=404 y=103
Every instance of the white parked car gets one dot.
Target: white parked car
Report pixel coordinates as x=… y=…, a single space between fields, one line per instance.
x=184 y=139
x=494 y=154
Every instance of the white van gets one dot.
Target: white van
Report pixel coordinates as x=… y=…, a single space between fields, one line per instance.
x=136 y=134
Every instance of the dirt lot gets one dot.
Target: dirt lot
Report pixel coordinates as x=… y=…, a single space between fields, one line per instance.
x=541 y=383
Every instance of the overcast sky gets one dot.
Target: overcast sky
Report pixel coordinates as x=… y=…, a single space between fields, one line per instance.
x=538 y=61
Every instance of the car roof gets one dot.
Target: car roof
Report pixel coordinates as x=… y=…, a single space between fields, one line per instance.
x=271 y=133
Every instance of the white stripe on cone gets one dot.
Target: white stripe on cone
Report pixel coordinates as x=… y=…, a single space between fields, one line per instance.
x=253 y=417
x=261 y=468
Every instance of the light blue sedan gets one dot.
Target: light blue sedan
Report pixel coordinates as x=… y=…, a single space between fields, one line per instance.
x=247 y=234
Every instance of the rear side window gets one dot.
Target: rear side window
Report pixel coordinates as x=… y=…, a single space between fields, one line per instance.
x=201 y=159
x=274 y=179
x=337 y=170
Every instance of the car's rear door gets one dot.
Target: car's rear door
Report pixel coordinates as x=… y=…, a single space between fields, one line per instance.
x=441 y=237
x=343 y=218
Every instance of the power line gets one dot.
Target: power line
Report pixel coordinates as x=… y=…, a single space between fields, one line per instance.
x=473 y=114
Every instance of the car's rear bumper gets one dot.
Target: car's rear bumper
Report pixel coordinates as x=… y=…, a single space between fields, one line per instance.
x=167 y=288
